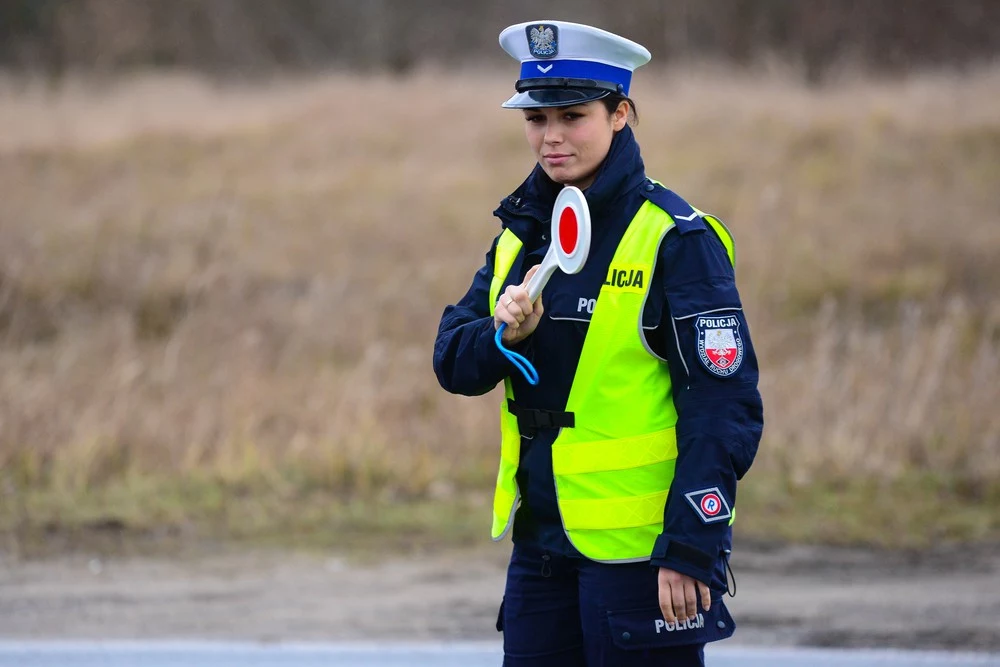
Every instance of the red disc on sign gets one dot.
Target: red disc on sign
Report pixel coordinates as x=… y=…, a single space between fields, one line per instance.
x=568 y=230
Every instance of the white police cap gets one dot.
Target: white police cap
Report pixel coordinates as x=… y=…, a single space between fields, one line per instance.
x=566 y=63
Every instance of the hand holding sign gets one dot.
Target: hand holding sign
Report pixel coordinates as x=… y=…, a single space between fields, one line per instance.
x=567 y=251
x=516 y=313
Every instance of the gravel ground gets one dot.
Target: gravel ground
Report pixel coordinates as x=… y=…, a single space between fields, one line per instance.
x=793 y=596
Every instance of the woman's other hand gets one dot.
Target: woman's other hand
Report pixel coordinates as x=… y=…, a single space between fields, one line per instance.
x=520 y=315
x=679 y=595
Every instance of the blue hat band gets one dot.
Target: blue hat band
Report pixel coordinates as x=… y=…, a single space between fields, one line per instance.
x=576 y=69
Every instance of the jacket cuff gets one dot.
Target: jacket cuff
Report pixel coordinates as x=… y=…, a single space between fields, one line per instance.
x=683 y=558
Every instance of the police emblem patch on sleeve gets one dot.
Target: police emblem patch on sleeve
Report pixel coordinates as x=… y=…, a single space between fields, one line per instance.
x=720 y=346
x=543 y=40
x=709 y=504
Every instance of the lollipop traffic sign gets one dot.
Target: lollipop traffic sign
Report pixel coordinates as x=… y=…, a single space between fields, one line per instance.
x=570 y=239
x=567 y=252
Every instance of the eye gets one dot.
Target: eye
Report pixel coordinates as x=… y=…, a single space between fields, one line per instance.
x=572 y=115
x=534 y=118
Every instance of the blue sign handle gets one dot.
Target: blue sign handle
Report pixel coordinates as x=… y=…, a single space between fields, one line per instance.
x=519 y=361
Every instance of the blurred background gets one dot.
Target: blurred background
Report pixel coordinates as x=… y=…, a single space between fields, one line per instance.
x=228 y=229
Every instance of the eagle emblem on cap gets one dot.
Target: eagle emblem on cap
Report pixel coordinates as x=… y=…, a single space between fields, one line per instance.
x=543 y=40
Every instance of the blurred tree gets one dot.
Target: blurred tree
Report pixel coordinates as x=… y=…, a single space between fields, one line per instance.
x=28 y=35
x=246 y=36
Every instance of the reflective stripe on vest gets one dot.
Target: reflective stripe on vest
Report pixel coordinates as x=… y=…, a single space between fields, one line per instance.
x=613 y=470
x=506 y=495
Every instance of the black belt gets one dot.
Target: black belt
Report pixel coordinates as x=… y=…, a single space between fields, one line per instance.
x=529 y=420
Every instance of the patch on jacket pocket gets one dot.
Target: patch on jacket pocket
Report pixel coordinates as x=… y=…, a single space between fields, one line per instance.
x=644 y=629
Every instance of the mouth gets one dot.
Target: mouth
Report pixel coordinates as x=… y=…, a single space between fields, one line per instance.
x=556 y=159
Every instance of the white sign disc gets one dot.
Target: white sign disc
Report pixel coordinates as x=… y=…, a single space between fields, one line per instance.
x=571 y=229
x=570 y=239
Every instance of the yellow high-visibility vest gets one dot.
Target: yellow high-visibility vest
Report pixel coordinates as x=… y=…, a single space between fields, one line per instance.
x=614 y=467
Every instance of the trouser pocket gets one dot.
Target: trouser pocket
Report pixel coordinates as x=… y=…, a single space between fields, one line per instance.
x=645 y=628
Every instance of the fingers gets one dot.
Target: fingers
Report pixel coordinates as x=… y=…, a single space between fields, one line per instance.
x=514 y=309
x=511 y=309
x=519 y=305
x=706 y=596
x=691 y=600
x=666 y=600
x=527 y=276
x=524 y=285
x=513 y=306
x=678 y=596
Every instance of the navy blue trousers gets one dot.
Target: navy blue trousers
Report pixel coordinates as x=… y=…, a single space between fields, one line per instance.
x=572 y=612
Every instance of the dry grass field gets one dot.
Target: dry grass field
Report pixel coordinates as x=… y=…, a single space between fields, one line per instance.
x=217 y=303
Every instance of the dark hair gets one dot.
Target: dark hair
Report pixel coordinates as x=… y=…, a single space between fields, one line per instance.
x=612 y=101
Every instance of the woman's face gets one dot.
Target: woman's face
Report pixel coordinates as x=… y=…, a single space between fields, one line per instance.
x=571 y=142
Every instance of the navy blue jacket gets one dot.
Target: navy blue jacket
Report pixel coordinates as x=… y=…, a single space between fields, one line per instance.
x=693 y=290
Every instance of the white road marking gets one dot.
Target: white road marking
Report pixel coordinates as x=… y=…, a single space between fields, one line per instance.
x=419 y=654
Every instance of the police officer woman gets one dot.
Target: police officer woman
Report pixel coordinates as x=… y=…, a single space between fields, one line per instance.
x=618 y=469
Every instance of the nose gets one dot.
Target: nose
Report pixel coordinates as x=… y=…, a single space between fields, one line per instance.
x=553 y=134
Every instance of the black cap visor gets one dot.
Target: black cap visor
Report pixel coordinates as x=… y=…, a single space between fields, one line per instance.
x=554 y=97
x=554 y=92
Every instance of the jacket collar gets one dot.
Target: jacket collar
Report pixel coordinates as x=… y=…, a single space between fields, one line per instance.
x=621 y=171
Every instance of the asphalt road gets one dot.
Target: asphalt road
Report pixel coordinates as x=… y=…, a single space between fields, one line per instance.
x=459 y=654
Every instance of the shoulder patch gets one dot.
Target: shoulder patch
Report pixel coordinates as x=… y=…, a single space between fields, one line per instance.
x=720 y=346
x=684 y=216
x=709 y=504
